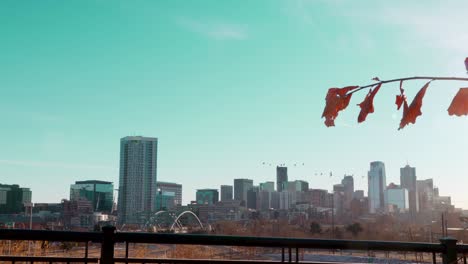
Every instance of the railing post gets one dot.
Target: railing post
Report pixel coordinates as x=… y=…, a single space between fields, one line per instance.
x=449 y=256
x=107 y=246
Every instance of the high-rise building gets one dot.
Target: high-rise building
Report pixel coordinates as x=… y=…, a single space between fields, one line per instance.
x=318 y=197
x=253 y=198
x=137 y=180
x=99 y=193
x=425 y=191
x=226 y=193
x=13 y=198
x=396 y=198
x=339 y=198
x=207 y=196
x=297 y=186
x=171 y=189
x=358 y=194
x=241 y=186
x=348 y=184
x=377 y=184
x=281 y=178
x=267 y=186
x=408 y=181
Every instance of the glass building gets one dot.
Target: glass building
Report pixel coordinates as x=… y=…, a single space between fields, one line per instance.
x=226 y=192
x=207 y=196
x=137 y=179
x=241 y=186
x=99 y=193
x=281 y=178
x=13 y=198
x=377 y=184
x=169 y=189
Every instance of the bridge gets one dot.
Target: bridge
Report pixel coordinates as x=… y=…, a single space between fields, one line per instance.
x=169 y=221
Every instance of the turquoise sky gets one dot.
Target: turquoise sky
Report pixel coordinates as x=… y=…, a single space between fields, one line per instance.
x=225 y=86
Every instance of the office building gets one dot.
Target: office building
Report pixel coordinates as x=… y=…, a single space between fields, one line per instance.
x=281 y=178
x=241 y=186
x=297 y=186
x=408 y=181
x=99 y=193
x=137 y=179
x=425 y=191
x=267 y=186
x=170 y=189
x=348 y=184
x=396 y=199
x=377 y=184
x=226 y=193
x=207 y=196
x=13 y=198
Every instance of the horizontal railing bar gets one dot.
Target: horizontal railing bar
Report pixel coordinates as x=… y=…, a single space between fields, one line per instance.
x=48 y=235
x=48 y=259
x=152 y=238
x=462 y=248
x=209 y=261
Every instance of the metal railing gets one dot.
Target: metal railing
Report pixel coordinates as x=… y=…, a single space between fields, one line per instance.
x=449 y=250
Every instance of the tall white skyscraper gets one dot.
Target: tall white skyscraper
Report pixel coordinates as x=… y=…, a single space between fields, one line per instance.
x=377 y=183
x=137 y=181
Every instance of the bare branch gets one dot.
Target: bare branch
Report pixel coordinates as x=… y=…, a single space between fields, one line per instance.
x=411 y=78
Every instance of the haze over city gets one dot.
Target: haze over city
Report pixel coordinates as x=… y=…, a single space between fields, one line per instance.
x=225 y=88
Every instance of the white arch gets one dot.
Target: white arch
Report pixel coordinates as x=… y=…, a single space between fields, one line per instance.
x=179 y=225
x=186 y=212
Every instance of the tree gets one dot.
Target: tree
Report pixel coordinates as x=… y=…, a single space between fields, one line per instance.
x=354 y=229
x=315 y=228
x=337 y=99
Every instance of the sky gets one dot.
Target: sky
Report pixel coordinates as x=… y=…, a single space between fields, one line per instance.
x=226 y=86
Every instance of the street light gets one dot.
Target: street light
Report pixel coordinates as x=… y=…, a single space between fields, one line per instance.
x=160 y=198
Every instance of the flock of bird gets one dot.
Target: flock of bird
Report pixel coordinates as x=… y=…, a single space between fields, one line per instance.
x=300 y=164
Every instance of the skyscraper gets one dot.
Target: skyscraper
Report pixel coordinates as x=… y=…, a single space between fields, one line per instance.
x=137 y=181
x=99 y=193
x=348 y=184
x=226 y=193
x=241 y=186
x=377 y=184
x=281 y=178
x=408 y=181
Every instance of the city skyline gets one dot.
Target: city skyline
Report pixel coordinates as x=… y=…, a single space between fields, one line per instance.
x=224 y=92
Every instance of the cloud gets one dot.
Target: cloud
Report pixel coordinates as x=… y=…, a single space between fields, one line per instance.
x=46 y=164
x=217 y=31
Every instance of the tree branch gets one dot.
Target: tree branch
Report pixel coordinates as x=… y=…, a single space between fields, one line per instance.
x=411 y=78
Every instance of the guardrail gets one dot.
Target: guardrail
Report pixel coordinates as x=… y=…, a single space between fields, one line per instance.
x=450 y=251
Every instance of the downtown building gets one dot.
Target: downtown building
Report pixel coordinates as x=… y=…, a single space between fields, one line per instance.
x=409 y=182
x=226 y=193
x=99 y=193
x=281 y=178
x=207 y=196
x=168 y=195
x=377 y=184
x=137 y=179
x=14 y=199
x=241 y=187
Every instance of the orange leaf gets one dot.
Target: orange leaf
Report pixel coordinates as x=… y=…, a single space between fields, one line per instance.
x=337 y=99
x=367 y=106
x=414 y=110
x=400 y=98
x=459 y=105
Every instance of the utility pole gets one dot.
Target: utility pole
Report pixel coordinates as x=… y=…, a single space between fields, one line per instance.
x=333 y=216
